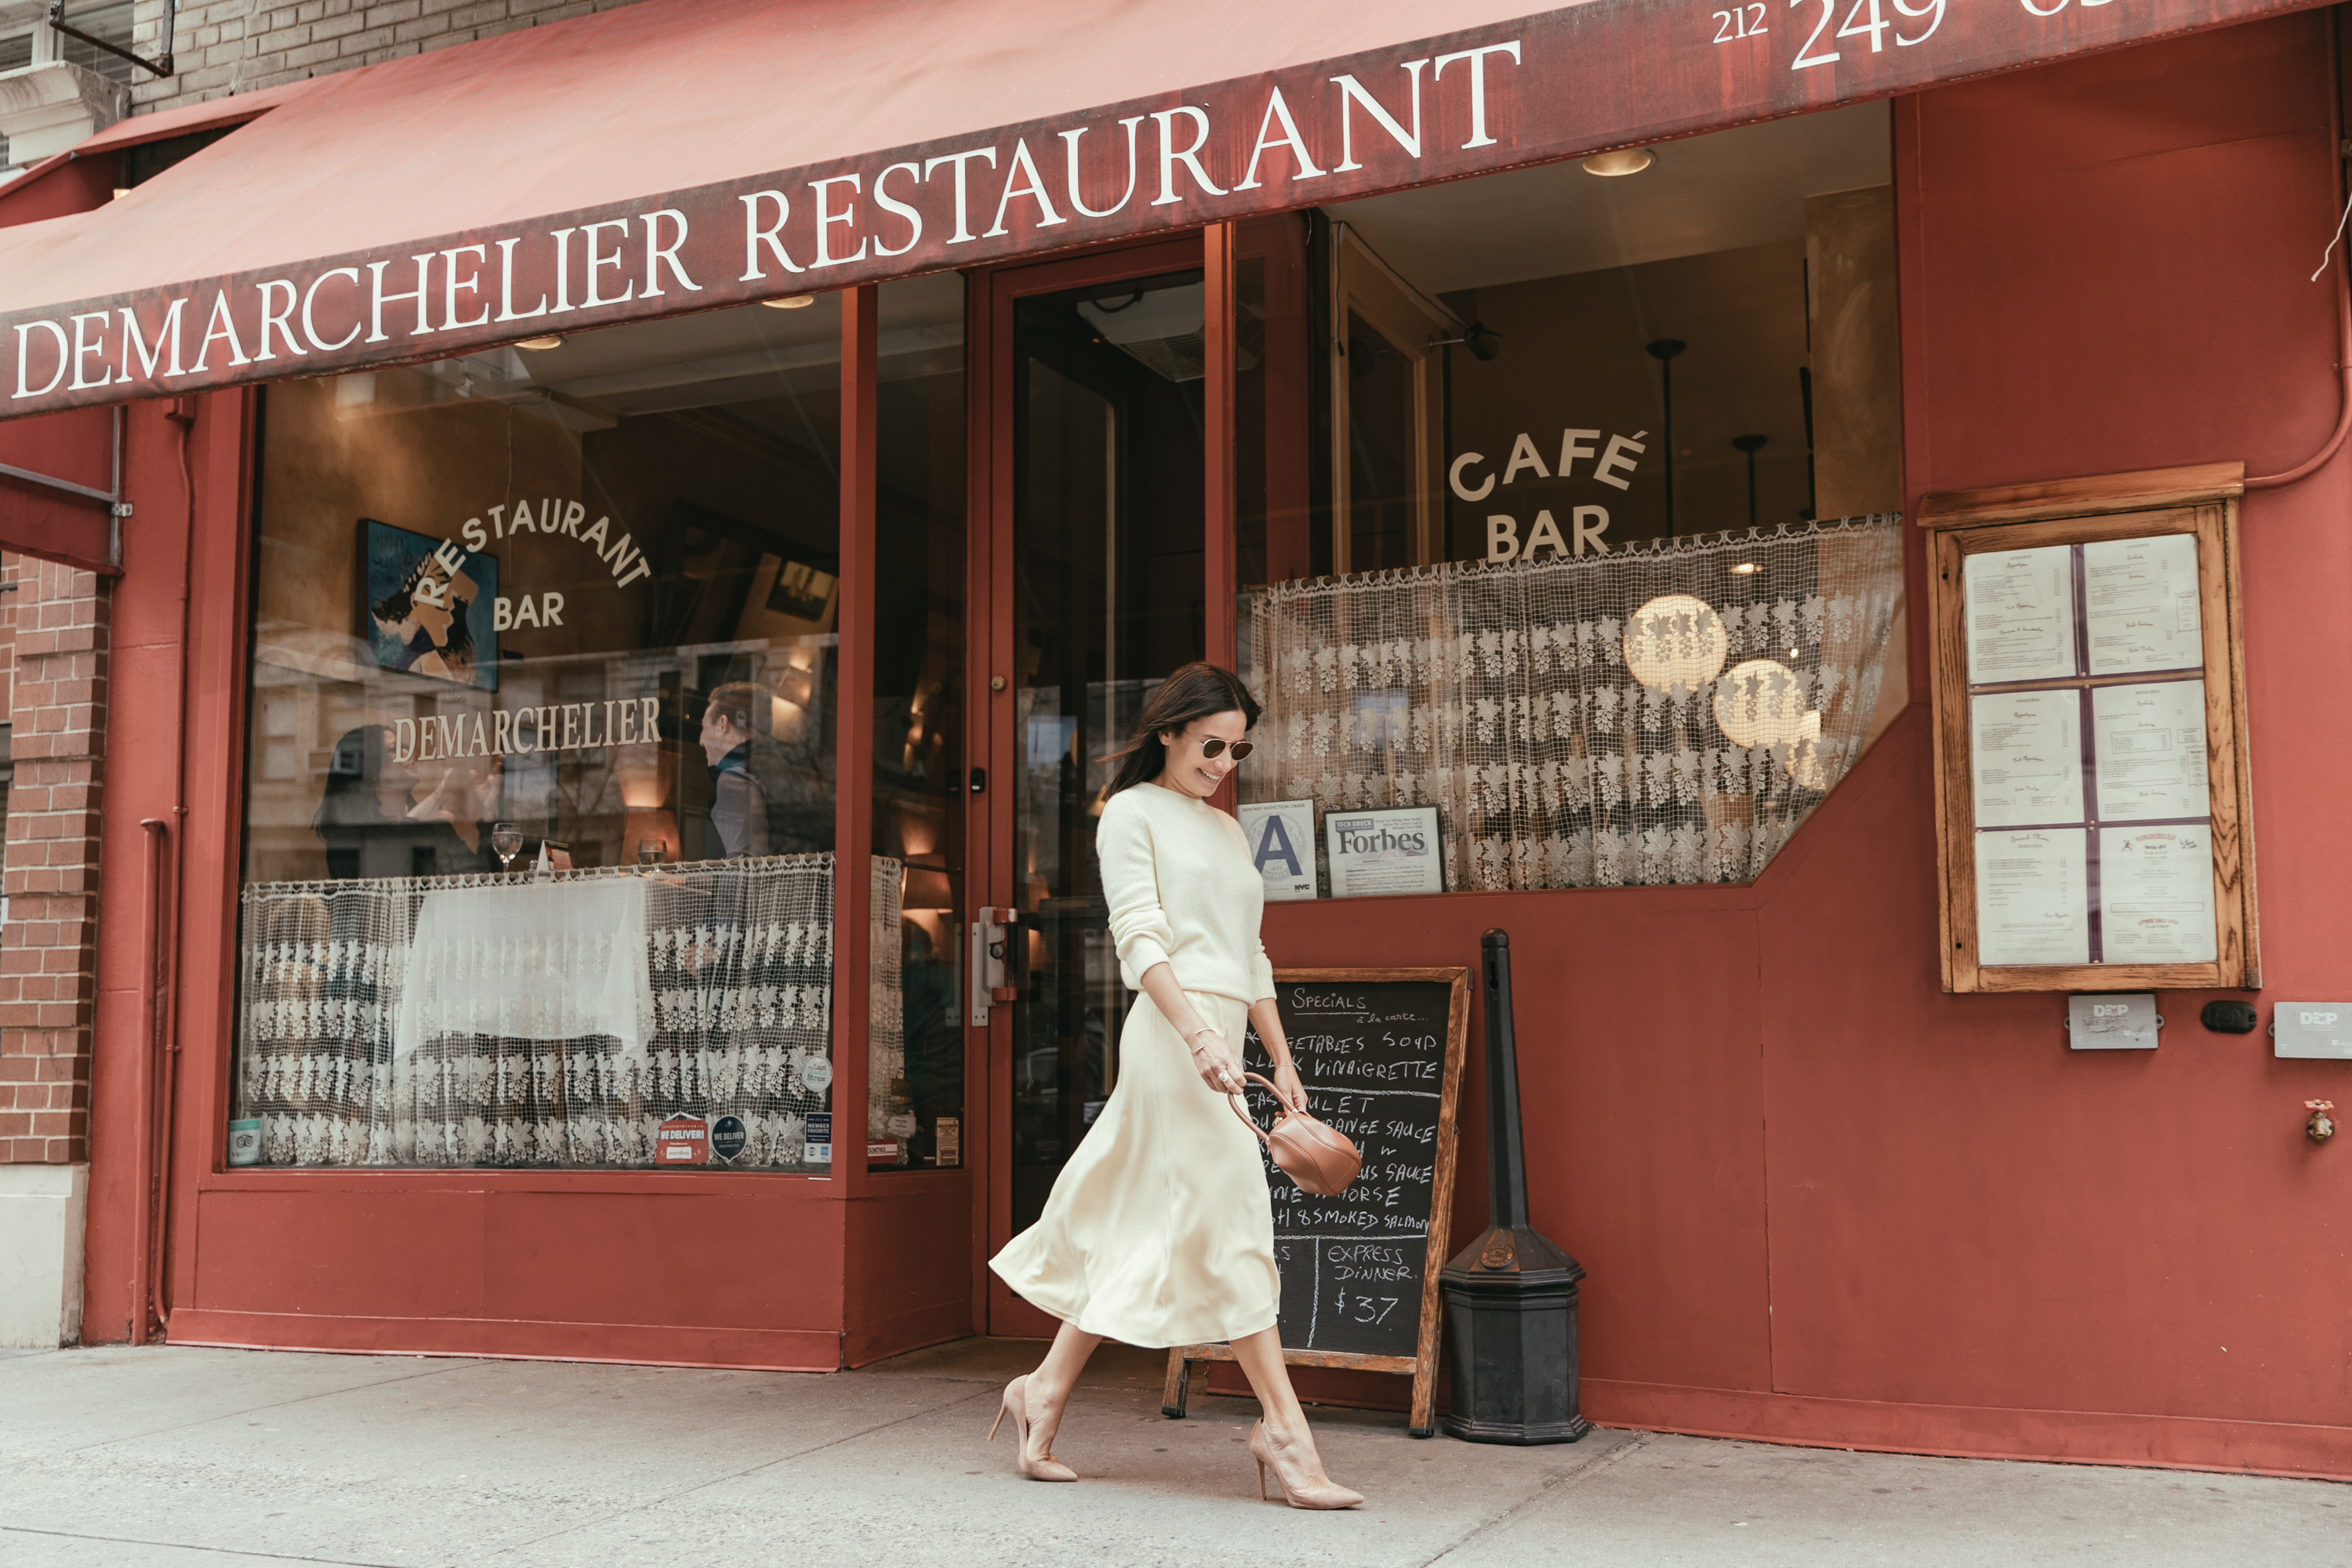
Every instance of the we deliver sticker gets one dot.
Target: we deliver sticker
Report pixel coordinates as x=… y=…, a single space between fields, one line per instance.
x=683 y=1141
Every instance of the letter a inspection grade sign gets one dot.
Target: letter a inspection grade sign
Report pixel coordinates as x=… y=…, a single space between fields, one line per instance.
x=1281 y=838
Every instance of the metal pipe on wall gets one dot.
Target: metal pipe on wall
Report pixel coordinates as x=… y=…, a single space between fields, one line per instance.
x=158 y=982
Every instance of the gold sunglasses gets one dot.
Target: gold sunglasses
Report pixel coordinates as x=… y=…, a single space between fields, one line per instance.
x=1213 y=747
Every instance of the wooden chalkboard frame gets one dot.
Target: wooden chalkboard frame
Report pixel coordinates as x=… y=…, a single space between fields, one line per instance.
x=2199 y=501
x=1421 y=1365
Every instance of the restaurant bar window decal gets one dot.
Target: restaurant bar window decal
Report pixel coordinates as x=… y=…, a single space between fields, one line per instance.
x=2090 y=711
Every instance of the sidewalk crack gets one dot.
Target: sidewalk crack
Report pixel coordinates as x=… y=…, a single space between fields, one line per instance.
x=184 y=1546
x=278 y=1405
x=1590 y=1468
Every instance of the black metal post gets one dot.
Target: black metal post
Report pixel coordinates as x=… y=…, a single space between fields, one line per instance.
x=1664 y=351
x=1506 y=1165
x=1510 y=1296
x=1813 y=490
x=1751 y=445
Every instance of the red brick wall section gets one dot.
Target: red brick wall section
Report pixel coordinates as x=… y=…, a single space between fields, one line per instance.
x=57 y=621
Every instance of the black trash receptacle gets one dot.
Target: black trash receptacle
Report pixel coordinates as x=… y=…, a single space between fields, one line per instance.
x=1510 y=1296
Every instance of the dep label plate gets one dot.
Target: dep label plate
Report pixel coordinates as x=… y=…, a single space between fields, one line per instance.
x=2113 y=1023
x=2312 y=1029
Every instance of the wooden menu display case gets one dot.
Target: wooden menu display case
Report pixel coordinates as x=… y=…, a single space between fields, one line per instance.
x=2092 y=790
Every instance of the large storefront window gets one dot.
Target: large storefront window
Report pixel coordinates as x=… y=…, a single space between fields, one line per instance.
x=541 y=777
x=1570 y=475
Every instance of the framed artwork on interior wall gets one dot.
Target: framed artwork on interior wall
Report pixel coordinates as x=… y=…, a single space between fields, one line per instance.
x=793 y=595
x=419 y=613
x=2092 y=791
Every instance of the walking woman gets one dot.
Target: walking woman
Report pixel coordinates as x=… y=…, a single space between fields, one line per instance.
x=1160 y=1230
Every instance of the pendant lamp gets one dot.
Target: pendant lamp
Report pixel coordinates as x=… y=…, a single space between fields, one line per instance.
x=1762 y=703
x=1675 y=640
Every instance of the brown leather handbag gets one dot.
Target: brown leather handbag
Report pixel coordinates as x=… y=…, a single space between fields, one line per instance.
x=1308 y=1152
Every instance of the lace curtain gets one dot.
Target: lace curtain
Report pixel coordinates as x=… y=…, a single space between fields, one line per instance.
x=736 y=965
x=1657 y=714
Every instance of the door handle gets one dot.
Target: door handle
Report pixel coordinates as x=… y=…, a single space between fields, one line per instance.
x=993 y=932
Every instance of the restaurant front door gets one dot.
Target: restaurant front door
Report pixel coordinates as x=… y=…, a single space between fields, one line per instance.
x=1094 y=399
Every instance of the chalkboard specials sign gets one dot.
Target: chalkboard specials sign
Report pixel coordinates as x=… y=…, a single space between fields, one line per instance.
x=1379 y=1052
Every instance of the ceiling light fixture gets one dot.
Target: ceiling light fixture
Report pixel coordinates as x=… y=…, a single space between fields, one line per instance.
x=1742 y=568
x=790 y=302
x=1479 y=338
x=1622 y=161
x=550 y=341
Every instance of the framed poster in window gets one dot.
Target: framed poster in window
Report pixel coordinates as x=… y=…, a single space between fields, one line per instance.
x=2091 y=789
x=426 y=605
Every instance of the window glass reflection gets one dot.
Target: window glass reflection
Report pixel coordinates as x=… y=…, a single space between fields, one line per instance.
x=542 y=766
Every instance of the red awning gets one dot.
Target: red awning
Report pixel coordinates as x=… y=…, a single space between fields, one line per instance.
x=678 y=154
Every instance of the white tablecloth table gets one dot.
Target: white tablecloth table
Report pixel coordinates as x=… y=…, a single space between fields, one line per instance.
x=535 y=960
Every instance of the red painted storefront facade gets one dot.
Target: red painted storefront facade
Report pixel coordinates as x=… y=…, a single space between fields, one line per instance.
x=1819 y=1200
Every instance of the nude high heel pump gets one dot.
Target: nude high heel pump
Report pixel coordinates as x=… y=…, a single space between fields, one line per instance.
x=1036 y=1467
x=1300 y=1488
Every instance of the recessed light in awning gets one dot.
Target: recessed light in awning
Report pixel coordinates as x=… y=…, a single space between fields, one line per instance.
x=1622 y=161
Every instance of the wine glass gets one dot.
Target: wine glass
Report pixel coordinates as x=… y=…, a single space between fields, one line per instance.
x=650 y=851
x=506 y=838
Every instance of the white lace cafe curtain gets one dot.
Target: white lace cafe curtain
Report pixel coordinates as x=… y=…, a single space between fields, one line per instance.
x=1649 y=715
x=736 y=963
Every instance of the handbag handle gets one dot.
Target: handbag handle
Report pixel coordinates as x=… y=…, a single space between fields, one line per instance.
x=1234 y=1099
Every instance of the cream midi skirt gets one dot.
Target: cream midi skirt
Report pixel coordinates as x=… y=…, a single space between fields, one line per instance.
x=1160 y=1230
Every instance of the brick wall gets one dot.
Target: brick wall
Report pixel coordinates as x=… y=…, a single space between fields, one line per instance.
x=223 y=46
x=56 y=622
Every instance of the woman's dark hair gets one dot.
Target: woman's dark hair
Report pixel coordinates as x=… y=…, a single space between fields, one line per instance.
x=1195 y=690
x=460 y=645
x=356 y=769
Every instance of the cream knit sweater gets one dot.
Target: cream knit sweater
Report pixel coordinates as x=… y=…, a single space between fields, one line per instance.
x=1176 y=873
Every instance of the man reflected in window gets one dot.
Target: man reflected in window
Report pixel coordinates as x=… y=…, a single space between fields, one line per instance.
x=738 y=807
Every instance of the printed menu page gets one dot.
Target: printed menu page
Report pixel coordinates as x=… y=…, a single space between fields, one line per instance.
x=2150 y=750
x=2140 y=604
x=2032 y=901
x=2028 y=757
x=2156 y=895
x=2020 y=614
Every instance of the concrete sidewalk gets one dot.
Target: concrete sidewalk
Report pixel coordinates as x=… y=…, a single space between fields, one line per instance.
x=198 y=1458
